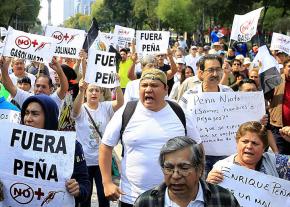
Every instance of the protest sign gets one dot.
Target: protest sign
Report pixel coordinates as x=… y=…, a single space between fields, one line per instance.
x=245 y=26
x=280 y=42
x=104 y=41
x=28 y=46
x=9 y=115
x=1 y=47
x=219 y=115
x=101 y=68
x=255 y=189
x=3 y=31
x=37 y=164
x=124 y=36
x=68 y=41
x=151 y=42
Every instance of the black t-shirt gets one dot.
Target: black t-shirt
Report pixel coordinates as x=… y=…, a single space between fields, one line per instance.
x=170 y=82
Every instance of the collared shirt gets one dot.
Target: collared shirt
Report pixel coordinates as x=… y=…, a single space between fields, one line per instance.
x=198 y=202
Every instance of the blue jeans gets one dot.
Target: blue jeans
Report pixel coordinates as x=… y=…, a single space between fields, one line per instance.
x=95 y=174
x=210 y=161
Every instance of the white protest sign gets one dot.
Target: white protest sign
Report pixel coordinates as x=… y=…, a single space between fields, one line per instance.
x=152 y=42
x=245 y=26
x=9 y=115
x=101 y=68
x=280 y=42
x=104 y=41
x=255 y=189
x=37 y=164
x=3 y=31
x=124 y=36
x=219 y=115
x=1 y=47
x=28 y=46
x=68 y=41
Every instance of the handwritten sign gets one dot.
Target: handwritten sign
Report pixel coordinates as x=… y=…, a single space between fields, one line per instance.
x=9 y=115
x=68 y=41
x=101 y=68
x=151 y=42
x=37 y=164
x=245 y=26
x=124 y=36
x=255 y=189
x=104 y=41
x=280 y=42
x=219 y=115
x=28 y=46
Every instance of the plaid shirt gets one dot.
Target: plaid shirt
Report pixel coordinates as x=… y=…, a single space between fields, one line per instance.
x=214 y=196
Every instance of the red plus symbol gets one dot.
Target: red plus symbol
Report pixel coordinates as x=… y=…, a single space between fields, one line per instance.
x=66 y=37
x=34 y=43
x=39 y=193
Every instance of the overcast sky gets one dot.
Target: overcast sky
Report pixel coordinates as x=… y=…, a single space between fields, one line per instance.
x=56 y=12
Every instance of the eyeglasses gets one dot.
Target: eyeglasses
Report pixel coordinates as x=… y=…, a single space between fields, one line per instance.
x=181 y=169
x=212 y=70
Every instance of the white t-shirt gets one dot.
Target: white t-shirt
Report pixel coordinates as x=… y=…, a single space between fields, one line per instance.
x=22 y=95
x=86 y=132
x=132 y=91
x=14 y=79
x=145 y=134
x=191 y=61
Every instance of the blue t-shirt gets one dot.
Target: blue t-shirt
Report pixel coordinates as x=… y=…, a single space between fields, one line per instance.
x=214 y=37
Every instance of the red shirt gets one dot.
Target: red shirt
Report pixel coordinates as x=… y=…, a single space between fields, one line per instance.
x=286 y=104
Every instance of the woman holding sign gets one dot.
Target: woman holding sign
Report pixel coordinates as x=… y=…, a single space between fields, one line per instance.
x=40 y=111
x=91 y=120
x=251 y=141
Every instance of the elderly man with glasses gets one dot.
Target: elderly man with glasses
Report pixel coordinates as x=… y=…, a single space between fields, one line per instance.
x=182 y=163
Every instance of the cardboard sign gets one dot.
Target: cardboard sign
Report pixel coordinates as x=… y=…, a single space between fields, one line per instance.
x=280 y=42
x=255 y=189
x=101 y=68
x=124 y=36
x=219 y=114
x=37 y=164
x=245 y=26
x=28 y=46
x=152 y=42
x=68 y=41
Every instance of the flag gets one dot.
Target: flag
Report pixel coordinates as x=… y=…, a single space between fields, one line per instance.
x=280 y=42
x=92 y=35
x=269 y=73
x=245 y=26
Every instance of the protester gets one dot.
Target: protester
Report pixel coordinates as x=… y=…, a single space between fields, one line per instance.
x=251 y=141
x=182 y=163
x=192 y=58
x=124 y=66
x=139 y=166
x=41 y=112
x=43 y=84
x=36 y=68
x=214 y=36
x=24 y=83
x=91 y=120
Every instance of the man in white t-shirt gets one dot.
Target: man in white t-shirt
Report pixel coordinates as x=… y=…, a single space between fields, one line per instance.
x=43 y=84
x=151 y=125
x=192 y=58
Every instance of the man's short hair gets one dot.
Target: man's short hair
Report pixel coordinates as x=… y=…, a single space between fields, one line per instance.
x=124 y=50
x=209 y=57
x=15 y=59
x=47 y=77
x=25 y=79
x=154 y=74
x=182 y=142
x=246 y=80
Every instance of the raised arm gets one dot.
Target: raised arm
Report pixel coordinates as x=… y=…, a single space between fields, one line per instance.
x=6 y=80
x=61 y=91
x=119 y=99
x=173 y=69
x=131 y=71
x=79 y=99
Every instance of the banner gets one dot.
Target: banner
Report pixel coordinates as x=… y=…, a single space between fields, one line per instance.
x=68 y=41
x=152 y=42
x=10 y=115
x=255 y=189
x=219 y=114
x=245 y=26
x=124 y=36
x=28 y=46
x=37 y=164
x=104 y=41
x=280 y=42
x=101 y=68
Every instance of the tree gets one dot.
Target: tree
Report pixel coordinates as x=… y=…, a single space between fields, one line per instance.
x=79 y=21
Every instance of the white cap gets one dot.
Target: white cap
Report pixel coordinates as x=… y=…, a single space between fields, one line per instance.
x=180 y=61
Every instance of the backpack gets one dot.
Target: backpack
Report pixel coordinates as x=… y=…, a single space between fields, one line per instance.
x=130 y=109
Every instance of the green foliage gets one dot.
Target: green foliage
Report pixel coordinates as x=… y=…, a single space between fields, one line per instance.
x=20 y=14
x=79 y=21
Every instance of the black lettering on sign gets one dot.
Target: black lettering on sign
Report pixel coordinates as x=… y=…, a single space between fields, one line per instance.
x=151 y=48
x=18 y=53
x=35 y=169
x=38 y=142
x=105 y=78
x=151 y=36
x=106 y=60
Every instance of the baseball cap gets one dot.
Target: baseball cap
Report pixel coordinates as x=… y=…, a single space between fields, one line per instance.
x=193 y=47
x=179 y=61
x=154 y=74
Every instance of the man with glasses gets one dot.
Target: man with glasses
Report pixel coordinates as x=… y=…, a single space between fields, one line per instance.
x=182 y=163
x=210 y=67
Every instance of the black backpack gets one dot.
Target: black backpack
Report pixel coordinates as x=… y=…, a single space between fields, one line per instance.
x=130 y=109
